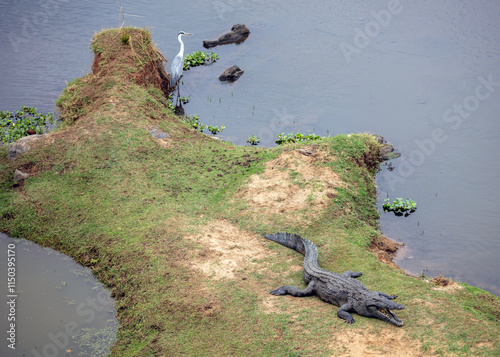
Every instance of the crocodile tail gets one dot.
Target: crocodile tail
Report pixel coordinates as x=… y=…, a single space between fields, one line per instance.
x=289 y=240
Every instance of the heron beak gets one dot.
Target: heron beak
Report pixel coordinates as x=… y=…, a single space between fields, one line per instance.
x=188 y=34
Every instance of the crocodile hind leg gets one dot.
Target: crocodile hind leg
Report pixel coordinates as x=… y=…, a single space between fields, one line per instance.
x=351 y=274
x=295 y=291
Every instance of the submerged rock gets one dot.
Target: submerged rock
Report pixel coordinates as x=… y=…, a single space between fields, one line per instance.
x=238 y=34
x=387 y=151
x=231 y=74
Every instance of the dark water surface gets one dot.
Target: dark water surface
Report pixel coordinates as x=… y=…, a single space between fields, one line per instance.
x=424 y=74
x=56 y=306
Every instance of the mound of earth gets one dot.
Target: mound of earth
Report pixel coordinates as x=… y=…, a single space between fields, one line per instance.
x=292 y=183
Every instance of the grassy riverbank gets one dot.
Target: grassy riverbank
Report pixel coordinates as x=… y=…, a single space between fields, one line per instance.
x=173 y=227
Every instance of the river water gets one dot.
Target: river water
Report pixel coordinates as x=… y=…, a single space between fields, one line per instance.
x=424 y=74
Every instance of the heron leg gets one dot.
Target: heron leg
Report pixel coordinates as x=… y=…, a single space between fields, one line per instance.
x=178 y=93
x=179 y=87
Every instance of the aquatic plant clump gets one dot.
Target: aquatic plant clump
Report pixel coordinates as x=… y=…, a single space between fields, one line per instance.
x=215 y=129
x=294 y=138
x=24 y=122
x=199 y=58
x=194 y=122
x=400 y=206
x=253 y=140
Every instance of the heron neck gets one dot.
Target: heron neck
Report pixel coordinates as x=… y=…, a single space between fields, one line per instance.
x=181 y=52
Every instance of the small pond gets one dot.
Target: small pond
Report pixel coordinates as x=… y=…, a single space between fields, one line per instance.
x=56 y=306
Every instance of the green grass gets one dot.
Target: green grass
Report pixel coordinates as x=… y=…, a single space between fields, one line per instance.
x=105 y=193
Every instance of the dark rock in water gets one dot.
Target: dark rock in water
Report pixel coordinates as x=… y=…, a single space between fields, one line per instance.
x=387 y=152
x=380 y=139
x=238 y=34
x=19 y=176
x=231 y=74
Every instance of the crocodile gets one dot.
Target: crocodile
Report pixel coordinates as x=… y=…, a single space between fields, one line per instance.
x=338 y=289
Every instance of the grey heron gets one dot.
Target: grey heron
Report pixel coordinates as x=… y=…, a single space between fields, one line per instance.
x=178 y=64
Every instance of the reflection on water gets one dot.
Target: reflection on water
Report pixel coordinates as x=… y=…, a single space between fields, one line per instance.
x=56 y=306
x=412 y=71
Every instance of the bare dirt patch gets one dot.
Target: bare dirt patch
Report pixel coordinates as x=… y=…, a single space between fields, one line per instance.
x=226 y=250
x=387 y=342
x=292 y=182
x=444 y=284
x=385 y=249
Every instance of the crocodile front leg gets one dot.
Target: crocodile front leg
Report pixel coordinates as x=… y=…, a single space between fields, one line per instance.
x=344 y=314
x=295 y=291
x=390 y=297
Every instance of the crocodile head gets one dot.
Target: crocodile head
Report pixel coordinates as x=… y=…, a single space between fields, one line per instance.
x=380 y=307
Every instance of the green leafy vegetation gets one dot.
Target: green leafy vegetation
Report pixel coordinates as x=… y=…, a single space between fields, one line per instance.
x=170 y=103
x=215 y=129
x=182 y=100
x=295 y=138
x=14 y=126
x=253 y=140
x=199 y=58
x=194 y=122
x=400 y=205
